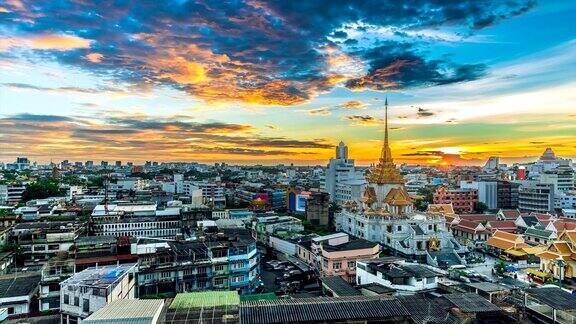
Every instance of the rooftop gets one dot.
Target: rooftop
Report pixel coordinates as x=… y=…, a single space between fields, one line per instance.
x=322 y=309
x=127 y=311
x=358 y=244
x=101 y=277
x=553 y=297
x=339 y=286
x=487 y=287
x=472 y=303
x=205 y=299
x=18 y=285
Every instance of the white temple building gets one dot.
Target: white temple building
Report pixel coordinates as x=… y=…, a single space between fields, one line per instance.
x=385 y=214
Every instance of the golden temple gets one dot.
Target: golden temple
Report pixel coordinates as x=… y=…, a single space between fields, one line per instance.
x=385 y=171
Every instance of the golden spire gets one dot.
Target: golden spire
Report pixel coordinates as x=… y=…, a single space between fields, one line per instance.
x=385 y=171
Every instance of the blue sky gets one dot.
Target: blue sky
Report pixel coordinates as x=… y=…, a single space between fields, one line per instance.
x=273 y=81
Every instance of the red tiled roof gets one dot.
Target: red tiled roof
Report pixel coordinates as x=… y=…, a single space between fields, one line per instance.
x=478 y=217
x=468 y=226
x=506 y=225
x=510 y=213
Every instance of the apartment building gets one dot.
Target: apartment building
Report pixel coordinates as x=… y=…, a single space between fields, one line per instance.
x=91 y=289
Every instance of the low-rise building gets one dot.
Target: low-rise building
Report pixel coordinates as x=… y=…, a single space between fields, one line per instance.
x=395 y=273
x=228 y=259
x=41 y=241
x=136 y=220
x=340 y=259
x=57 y=269
x=17 y=292
x=91 y=289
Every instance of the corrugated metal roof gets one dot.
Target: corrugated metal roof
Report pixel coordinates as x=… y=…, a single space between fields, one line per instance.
x=322 y=309
x=339 y=286
x=472 y=303
x=127 y=311
x=554 y=297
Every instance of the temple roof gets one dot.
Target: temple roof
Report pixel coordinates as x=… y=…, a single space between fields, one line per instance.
x=398 y=197
x=385 y=171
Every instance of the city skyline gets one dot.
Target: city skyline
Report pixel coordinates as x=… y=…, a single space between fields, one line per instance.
x=258 y=82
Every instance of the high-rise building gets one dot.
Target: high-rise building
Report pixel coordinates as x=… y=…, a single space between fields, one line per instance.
x=339 y=170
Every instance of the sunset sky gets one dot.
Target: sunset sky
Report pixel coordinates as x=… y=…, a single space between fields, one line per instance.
x=259 y=81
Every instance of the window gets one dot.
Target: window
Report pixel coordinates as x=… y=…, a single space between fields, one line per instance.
x=219 y=281
x=337 y=265
x=10 y=310
x=202 y=270
x=430 y=227
x=399 y=229
x=389 y=228
x=351 y=264
x=76 y=301
x=85 y=305
x=219 y=267
x=165 y=274
x=66 y=299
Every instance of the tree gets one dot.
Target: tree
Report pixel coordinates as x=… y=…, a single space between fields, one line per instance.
x=40 y=189
x=421 y=204
x=481 y=207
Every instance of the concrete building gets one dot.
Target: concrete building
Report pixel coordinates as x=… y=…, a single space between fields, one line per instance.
x=228 y=259
x=340 y=259
x=136 y=220
x=317 y=208
x=463 y=200
x=11 y=194
x=349 y=190
x=89 y=290
x=395 y=273
x=495 y=194
x=17 y=292
x=536 y=197
x=339 y=169
x=41 y=241
x=57 y=269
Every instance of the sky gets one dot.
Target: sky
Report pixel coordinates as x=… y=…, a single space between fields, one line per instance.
x=266 y=82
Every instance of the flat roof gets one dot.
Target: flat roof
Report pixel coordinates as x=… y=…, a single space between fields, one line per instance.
x=328 y=237
x=127 y=311
x=487 y=286
x=553 y=297
x=339 y=286
x=205 y=299
x=101 y=277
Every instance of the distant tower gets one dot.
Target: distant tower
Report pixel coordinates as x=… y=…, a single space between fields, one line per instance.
x=342 y=151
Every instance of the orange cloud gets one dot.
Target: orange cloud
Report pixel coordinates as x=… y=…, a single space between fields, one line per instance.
x=45 y=42
x=94 y=57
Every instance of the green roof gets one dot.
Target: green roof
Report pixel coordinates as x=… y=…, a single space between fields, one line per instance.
x=253 y=297
x=540 y=233
x=205 y=299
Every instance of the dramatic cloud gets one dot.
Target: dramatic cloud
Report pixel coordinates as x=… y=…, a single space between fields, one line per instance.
x=397 y=66
x=131 y=135
x=261 y=52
